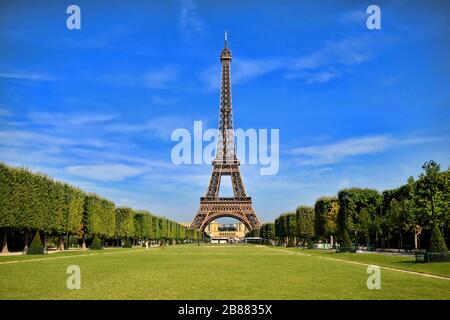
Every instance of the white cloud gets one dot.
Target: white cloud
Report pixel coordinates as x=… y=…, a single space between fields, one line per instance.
x=159 y=79
x=344 y=183
x=105 y=172
x=323 y=64
x=188 y=20
x=30 y=138
x=354 y=16
x=348 y=51
x=27 y=76
x=338 y=151
x=321 y=77
x=249 y=69
x=329 y=62
x=106 y=156
x=243 y=70
x=31 y=156
x=314 y=77
x=161 y=127
x=211 y=77
x=64 y=119
x=164 y=100
x=5 y=112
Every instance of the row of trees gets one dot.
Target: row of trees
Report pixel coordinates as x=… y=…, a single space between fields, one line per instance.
x=32 y=202
x=415 y=215
x=266 y=232
x=296 y=227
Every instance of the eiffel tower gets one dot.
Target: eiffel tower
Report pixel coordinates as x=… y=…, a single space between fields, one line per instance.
x=225 y=163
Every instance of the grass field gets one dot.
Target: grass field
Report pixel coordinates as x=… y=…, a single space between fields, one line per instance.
x=217 y=272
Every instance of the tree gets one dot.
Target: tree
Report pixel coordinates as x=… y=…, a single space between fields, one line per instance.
x=280 y=232
x=31 y=201
x=140 y=225
x=326 y=211
x=291 y=228
x=304 y=218
x=437 y=241
x=99 y=218
x=155 y=228
x=358 y=209
x=8 y=206
x=285 y=228
x=124 y=223
x=430 y=198
x=268 y=232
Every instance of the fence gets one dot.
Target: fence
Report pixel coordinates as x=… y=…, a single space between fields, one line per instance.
x=422 y=256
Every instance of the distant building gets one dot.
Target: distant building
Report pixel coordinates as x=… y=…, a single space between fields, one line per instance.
x=234 y=232
x=230 y=232
x=185 y=224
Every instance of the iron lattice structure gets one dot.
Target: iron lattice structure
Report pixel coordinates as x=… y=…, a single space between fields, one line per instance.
x=225 y=163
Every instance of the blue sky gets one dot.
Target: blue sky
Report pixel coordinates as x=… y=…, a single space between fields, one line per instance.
x=96 y=107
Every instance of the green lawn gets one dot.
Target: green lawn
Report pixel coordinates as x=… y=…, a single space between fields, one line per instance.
x=392 y=261
x=209 y=272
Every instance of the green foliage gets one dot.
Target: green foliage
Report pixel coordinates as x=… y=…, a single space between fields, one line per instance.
x=140 y=225
x=36 y=202
x=286 y=227
x=268 y=232
x=163 y=228
x=254 y=233
x=36 y=246
x=280 y=230
x=99 y=216
x=358 y=209
x=124 y=222
x=368 y=216
x=30 y=201
x=304 y=217
x=346 y=241
x=156 y=234
x=127 y=243
x=291 y=227
x=437 y=241
x=96 y=243
x=8 y=197
x=326 y=210
x=431 y=195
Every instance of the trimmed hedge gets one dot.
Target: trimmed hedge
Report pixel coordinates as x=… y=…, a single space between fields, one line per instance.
x=99 y=216
x=96 y=244
x=31 y=201
x=36 y=246
x=437 y=241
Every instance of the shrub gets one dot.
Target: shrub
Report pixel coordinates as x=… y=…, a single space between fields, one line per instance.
x=36 y=246
x=437 y=241
x=346 y=242
x=96 y=244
